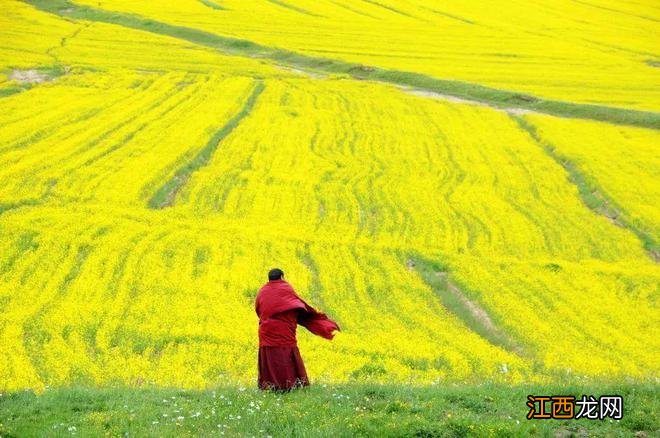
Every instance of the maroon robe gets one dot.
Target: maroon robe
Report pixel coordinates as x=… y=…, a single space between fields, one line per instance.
x=280 y=310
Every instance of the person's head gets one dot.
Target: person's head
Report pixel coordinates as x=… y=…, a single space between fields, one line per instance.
x=275 y=274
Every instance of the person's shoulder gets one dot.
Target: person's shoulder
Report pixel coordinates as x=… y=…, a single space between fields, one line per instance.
x=262 y=289
x=287 y=287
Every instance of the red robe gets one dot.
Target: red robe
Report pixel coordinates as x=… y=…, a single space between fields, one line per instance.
x=280 y=309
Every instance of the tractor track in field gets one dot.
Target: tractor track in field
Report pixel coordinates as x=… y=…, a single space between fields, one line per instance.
x=166 y=194
x=457 y=302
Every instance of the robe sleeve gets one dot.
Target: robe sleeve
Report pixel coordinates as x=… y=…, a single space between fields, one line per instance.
x=317 y=322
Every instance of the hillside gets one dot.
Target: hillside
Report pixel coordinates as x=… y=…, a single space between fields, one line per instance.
x=471 y=192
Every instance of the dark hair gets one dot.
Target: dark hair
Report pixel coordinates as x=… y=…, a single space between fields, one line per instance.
x=275 y=274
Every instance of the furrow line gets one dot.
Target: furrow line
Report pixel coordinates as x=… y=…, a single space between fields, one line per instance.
x=164 y=197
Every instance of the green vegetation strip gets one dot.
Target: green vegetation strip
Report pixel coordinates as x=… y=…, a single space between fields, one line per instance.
x=465 y=90
x=164 y=196
x=212 y=5
x=592 y=194
x=8 y=91
x=293 y=8
x=356 y=409
x=435 y=275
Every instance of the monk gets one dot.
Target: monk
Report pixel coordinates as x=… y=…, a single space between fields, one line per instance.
x=280 y=310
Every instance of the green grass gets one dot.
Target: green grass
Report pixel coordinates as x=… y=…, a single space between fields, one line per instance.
x=465 y=90
x=293 y=8
x=212 y=5
x=13 y=89
x=333 y=410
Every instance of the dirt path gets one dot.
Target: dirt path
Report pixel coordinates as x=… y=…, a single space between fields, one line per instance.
x=470 y=312
x=453 y=99
x=300 y=72
x=30 y=76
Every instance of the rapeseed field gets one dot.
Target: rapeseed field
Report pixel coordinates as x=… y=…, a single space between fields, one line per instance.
x=148 y=182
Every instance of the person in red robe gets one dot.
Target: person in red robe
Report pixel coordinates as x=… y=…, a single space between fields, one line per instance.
x=280 y=310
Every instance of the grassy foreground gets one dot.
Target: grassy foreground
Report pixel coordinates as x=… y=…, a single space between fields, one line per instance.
x=319 y=410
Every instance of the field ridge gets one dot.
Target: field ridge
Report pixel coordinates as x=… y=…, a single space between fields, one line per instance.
x=469 y=311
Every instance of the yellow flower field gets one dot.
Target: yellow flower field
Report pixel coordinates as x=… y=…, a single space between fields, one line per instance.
x=623 y=161
x=601 y=51
x=148 y=184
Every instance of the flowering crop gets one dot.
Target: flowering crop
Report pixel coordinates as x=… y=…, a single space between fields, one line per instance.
x=622 y=161
x=591 y=52
x=344 y=184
